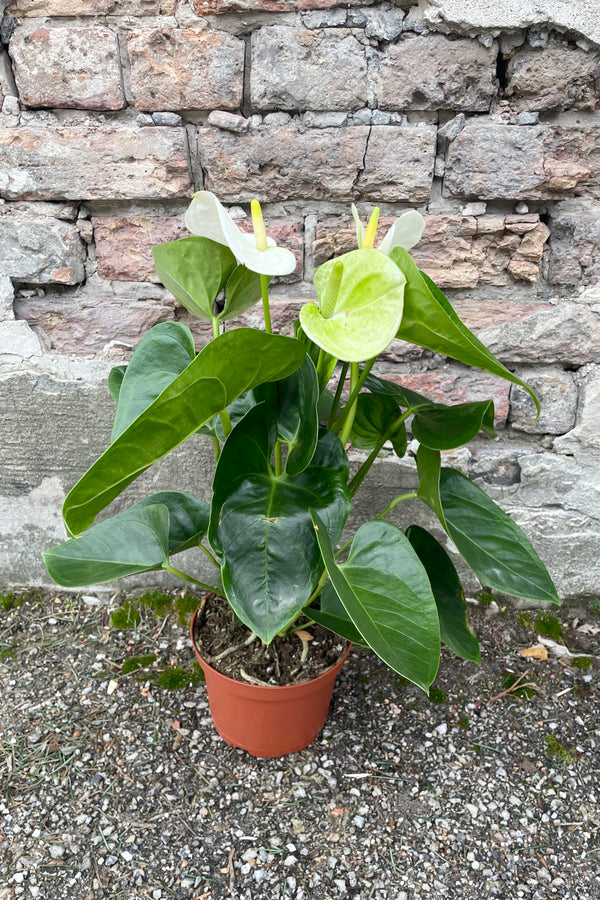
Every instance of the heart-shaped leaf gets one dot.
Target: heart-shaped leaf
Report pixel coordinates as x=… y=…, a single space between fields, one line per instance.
x=386 y=593
x=430 y=321
x=449 y=596
x=195 y=270
x=233 y=363
x=242 y=291
x=188 y=517
x=332 y=615
x=131 y=542
x=375 y=415
x=367 y=310
x=115 y=380
x=260 y=522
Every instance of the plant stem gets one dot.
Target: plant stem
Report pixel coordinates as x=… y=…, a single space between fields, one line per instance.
x=264 y=286
x=215 y=327
x=216 y=447
x=205 y=587
x=226 y=422
x=360 y=475
x=350 y=409
x=338 y=394
x=412 y=495
x=354 y=391
x=209 y=556
x=278 y=458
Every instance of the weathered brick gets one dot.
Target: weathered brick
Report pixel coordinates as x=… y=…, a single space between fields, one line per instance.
x=39 y=249
x=557 y=393
x=434 y=72
x=124 y=245
x=185 y=69
x=282 y=162
x=296 y=68
x=88 y=329
x=558 y=77
x=216 y=7
x=575 y=243
x=91 y=7
x=67 y=67
x=457 y=251
x=490 y=160
x=91 y=162
x=398 y=165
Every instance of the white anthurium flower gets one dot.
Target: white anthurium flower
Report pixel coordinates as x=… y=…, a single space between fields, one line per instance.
x=206 y=217
x=405 y=232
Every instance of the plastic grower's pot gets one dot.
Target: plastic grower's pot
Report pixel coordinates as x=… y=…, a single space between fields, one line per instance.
x=268 y=721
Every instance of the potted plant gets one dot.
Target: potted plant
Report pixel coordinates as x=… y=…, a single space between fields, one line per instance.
x=280 y=412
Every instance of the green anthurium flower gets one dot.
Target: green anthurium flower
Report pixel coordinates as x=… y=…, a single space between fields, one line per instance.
x=206 y=217
x=361 y=299
x=405 y=232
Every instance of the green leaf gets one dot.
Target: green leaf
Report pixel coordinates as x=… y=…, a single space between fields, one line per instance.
x=374 y=416
x=429 y=465
x=324 y=362
x=332 y=615
x=386 y=593
x=260 y=522
x=231 y=364
x=188 y=517
x=490 y=542
x=368 y=309
x=133 y=541
x=430 y=321
x=294 y=401
x=195 y=270
x=437 y=425
x=161 y=355
x=449 y=596
x=242 y=291
x=236 y=411
x=115 y=379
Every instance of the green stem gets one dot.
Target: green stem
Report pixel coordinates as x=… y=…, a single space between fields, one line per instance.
x=226 y=422
x=278 y=458
x=209 y=555
x=361 y=474
x=350 y=408
x=216 y=447
x=264 y=287
x=354 y=392
x=317 y=590
x=205 y=587
x=412 y=495
x=338 y=395
x=215 y=327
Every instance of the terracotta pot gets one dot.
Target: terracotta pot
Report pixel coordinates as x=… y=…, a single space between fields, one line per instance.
x=268 y=721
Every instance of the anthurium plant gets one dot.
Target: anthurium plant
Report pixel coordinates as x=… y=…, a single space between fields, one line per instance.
x=281 y=412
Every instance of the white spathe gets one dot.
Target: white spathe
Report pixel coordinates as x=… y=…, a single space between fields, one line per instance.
x=206 y=217
x=405 y=232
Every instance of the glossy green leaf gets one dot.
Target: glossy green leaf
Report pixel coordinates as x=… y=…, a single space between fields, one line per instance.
x=294 y=401
x=386 y=593
x=242 y=291
x=233 y=363
x=188 y=517
x=494 y=546
x=375 y=415
x=429 y=466
x=449 y=596
x=133 y=541
x=437 y=425
x=236 y=411
x=260 y=522
x=368 y=309
x=430 y=321
x=195 y=270
x=332 y=615
x=161 y=355
x=324 y=362
x=115 y=380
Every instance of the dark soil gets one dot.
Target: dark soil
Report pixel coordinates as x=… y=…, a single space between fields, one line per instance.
x=231 y=649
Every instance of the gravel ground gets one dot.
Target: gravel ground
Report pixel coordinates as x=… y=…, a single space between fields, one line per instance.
x=113 y=786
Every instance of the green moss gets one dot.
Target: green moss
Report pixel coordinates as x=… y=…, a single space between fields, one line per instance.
x=594 y=605
x=11 y=600
x=176 y=678
x=524 y=619
x=582 y=662
x=463 y=721
x=548 y=625
x=485 y=598
x=521 y=691
x=185 y=604
x=138 y=662
x=160 y=602
x=436 y=695
x=6 y=653
x=555 y=748
x=126 y=616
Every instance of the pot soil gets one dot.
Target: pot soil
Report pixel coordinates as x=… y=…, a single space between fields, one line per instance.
x=265 y=719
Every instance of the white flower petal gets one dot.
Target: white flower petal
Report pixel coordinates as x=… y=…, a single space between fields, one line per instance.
x=206 y=217
x=360 y=231
x=405 y=232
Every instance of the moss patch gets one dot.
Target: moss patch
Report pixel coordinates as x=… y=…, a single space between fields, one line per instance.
x=521 y=691
x=582 y=662
x=138 y=662
x=177 y=678
x=437 y=695
x=548 y=625
x=555 y=748
x=126 y=616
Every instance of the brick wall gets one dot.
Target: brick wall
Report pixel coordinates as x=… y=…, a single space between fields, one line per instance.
x=115 y=111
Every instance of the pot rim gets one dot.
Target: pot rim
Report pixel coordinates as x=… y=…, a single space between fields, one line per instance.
x=266 y=688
